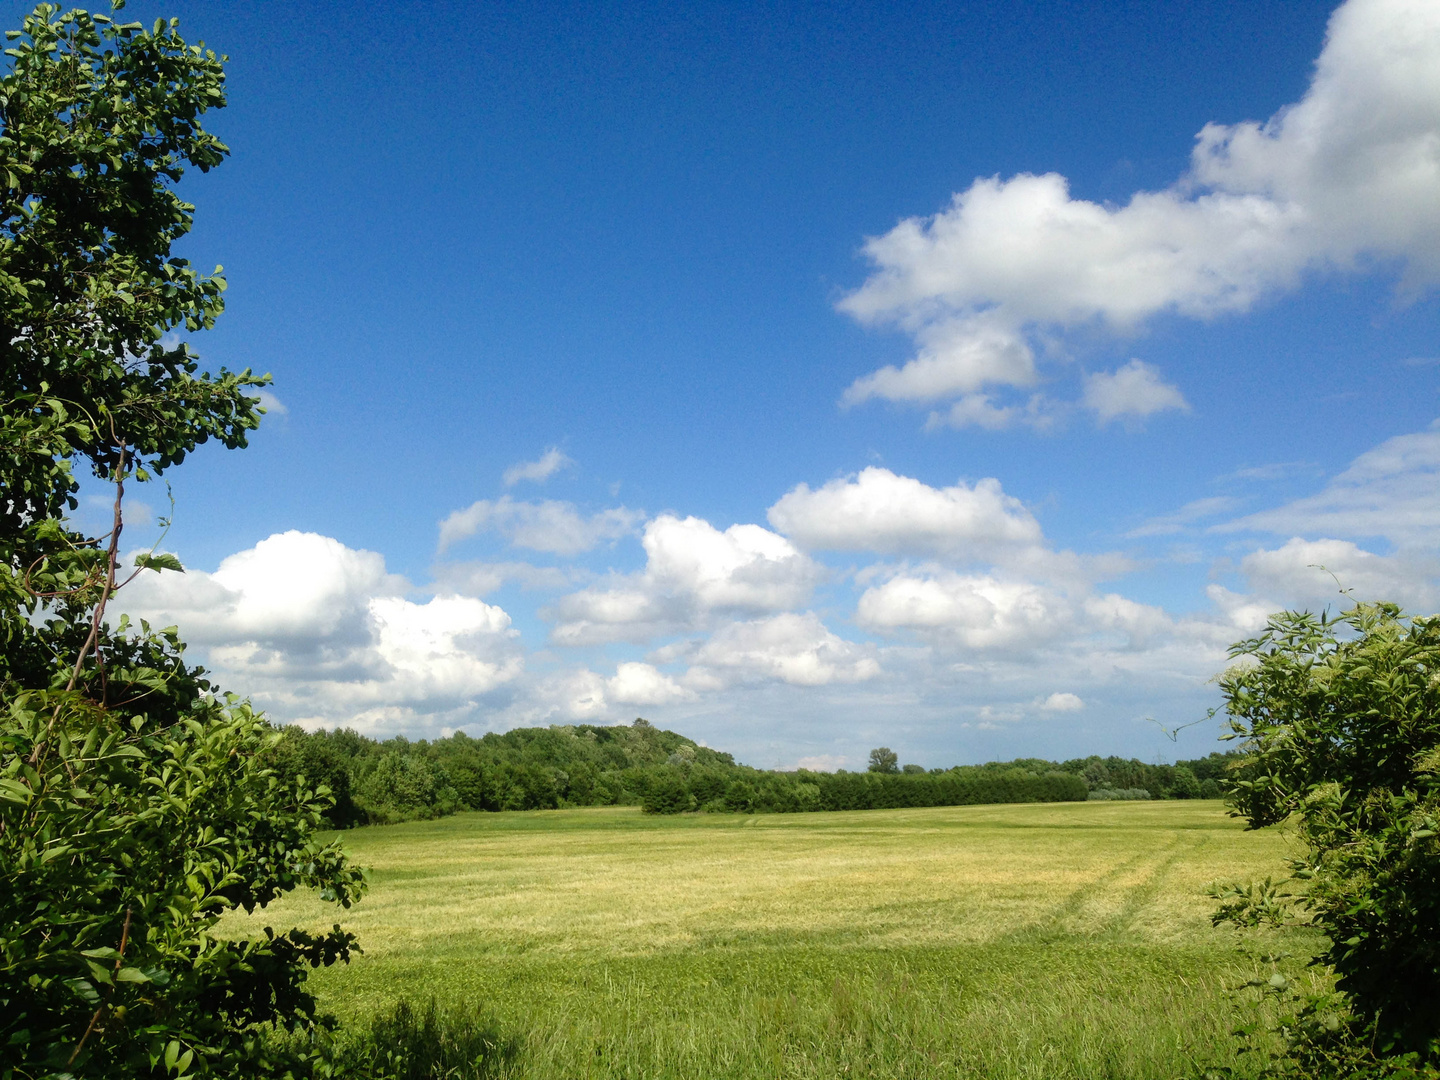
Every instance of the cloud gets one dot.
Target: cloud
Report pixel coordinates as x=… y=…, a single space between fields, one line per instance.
x=320 y=632
x=790 y=647
x=540 y=470
x=958 y=356
x=1312 y=573
x=1392 y=491
x=980 y=410
x=1277 y=470
x=823 y=762
x=979 y=610
x=643 y=684
x=552 y=526
x=292 y=587
x=1060 y=702
x=483 y=578
x=882 y=512
x=1134 y=390
x=574 y=695
x=1347 y=177
x=692 y=570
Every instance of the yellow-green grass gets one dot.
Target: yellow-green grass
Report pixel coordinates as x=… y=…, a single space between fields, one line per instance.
x=1053 y=940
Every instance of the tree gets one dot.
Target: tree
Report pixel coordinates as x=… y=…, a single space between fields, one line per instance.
x=884 y=760
x=137 y=805
x=1184 y=784
x=1340 y=719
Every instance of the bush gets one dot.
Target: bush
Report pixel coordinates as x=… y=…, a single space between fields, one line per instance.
x=436 y=1044
x=1340 y=719
x=1102 y=794
x=666 y=793
x=739 y=797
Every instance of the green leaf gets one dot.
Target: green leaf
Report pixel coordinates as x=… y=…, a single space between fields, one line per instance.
x=163 y=561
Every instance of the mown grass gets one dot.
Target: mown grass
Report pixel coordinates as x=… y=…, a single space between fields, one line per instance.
x=1051 y=940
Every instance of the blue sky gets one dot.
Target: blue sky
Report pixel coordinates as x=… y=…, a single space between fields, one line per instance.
x=1073 y=398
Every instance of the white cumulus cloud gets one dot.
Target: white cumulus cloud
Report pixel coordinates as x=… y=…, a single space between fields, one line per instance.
x=319 y=632
x=979 y=610
x=1133 y=390
x=644 y=684
x=1311 y=574
x=692 y=570
x=888 y=514
x=1348 y=176
x=791 y=647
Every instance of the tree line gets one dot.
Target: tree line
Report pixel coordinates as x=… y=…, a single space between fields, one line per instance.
x=376 y=782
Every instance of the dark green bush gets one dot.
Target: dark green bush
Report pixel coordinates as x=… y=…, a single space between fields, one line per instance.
x=432 y=1044
x=1109 y=794
x=1340 y=719
x=666 y=793
x=739 y=797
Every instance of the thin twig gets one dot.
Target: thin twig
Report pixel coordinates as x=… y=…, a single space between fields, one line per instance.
x=112 y=553
x=92 y=640
x=95 y=1018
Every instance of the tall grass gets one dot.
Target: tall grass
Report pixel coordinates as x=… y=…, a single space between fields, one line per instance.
x=454 y=1043
x=1055 y=941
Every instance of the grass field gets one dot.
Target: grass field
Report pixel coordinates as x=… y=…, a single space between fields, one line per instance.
x=1048 y=941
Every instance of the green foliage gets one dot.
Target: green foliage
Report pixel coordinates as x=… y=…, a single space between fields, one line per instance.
x=459 y=1043
x=640 y=765
x=137 y=804
x=404 y=787
x=1103 y=793
x=124 y=835
x=1341 y=722
x=100 y=119
x=667 y=793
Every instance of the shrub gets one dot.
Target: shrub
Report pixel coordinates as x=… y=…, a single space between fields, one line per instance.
x=1183 y=784
x=666 y=793
x=434 y=1044
x=739 y=797
x=1100 y=794
x=1340 y=719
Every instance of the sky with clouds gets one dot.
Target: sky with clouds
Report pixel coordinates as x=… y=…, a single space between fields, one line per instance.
x=962 y=379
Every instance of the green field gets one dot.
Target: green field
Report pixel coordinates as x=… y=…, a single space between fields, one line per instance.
x=1047 y=940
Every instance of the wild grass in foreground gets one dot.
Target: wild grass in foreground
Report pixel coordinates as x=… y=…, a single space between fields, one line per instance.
x=1046 y=941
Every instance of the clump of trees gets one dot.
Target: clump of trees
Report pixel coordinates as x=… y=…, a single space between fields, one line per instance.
x=665 y=772
x=1340 y=722
x=136 y=802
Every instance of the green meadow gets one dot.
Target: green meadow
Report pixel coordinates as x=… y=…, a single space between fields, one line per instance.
x=1045 y=940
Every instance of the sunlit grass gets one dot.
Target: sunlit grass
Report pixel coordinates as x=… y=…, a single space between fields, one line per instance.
x=1047 y=940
